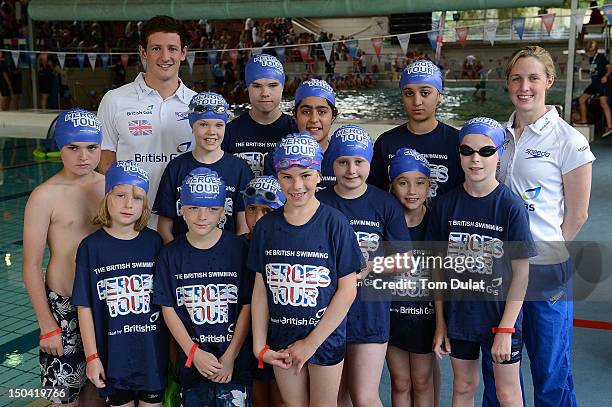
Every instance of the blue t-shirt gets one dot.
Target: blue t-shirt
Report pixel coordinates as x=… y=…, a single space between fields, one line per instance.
x=598 y=68
x=494 y=227
x=114 y=278
x=301 y=266
x=376 y=217
x=251 y=141
x=440 y=147
x=234 y=171
x=207 y=288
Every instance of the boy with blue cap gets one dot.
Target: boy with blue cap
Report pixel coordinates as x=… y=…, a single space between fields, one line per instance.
x=377 y=219
x=59 y=213
x=421 y=87
x=255 y=133
x=208 y=114
x=305 y=257
x=112 y=289
x=204 y=289
x=485 y=221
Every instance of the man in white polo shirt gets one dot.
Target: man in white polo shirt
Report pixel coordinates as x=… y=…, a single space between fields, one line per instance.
x=145 y=120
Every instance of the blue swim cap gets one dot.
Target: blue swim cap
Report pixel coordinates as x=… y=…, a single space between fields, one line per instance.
x=487 y=127
x=422 y=72
x=265 y=191
x=203 y=187
x=408 y=160
x=298 y=150
x=264 y=66
x=125 y=172
x=77 y=125
x=207 y=105
x=352 y=141
x=315 y=87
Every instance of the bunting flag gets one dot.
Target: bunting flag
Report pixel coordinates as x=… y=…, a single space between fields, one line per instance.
x=212 y=57
x=578 y=17
x=328 y=47
x=233 y=55
x=433 y=38
x=280 y=54
x=352 y=47
x=519 y=26
x=190 y=61
x=61 y=57
x=32 y=56
x=81 y=59
x=125 y=59
x=104 y=59
x=607 y=9
x=377 y=43
x=462 y=33
x=44 y=57
x=490 y=30
x=15 y=55
x=548 y=20
x=404 y=39
x=92 y=56
x=304 y=51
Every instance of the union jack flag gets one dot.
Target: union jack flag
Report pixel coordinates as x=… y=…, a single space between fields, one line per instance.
x=140 y=128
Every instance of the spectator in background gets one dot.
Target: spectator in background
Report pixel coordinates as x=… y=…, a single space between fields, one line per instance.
x=5 y=83
x=256 y=35
x=600 y=73
x=46 y=79
x=16 y=85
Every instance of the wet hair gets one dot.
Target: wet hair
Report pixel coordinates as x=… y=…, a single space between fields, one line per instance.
x=164 y=24
x=536 y=52
x=104 y=219
x=333 y=108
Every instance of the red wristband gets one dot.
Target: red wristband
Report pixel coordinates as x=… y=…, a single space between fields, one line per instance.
x=191 y=354
x=47 y=335
x=498 y=330
x=91 y=357
x=260 y=362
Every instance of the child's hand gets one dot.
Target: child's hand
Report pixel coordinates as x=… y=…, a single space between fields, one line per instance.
x=299 y=352
x=52 y=345
x=441 y=344
x=95 y=373
x=206 y=363
x=280 y=358
x=225 y=373
x=502 y=347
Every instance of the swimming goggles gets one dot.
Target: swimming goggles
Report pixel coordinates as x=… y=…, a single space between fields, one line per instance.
x=268 y=196
x=486 y=151
x=218 y=109
x=304 y=162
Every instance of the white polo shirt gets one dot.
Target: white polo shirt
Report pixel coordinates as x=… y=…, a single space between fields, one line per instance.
x=139 y=125
x=534 y=169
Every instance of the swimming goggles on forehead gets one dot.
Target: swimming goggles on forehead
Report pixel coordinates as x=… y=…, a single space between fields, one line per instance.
x=486 y=151
x=217 y=109
x=268 y=196
x=304 y=162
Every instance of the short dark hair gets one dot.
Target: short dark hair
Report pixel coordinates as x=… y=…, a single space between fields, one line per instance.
x=164 y=24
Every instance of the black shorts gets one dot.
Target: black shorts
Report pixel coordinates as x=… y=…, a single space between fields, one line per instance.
x=600 y=89
x=4 y=88
x=120 y=397
x=410 y=332
x=468 y=350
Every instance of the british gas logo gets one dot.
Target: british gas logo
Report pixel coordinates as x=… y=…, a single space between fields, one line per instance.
x=148 y=110
x=536 y=154
x=296 y=284
x=531 y=194
x=207 y=304
x=183 y=147
x=268 y=61
x=126 y=294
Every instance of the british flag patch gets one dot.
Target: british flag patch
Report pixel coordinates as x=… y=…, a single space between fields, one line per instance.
x=140 y=128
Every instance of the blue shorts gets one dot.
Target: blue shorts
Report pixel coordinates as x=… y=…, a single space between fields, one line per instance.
x=209 y=394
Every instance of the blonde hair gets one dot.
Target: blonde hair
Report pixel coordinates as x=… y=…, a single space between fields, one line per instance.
x=104 y=219
x=591 y=46
x=536 y=52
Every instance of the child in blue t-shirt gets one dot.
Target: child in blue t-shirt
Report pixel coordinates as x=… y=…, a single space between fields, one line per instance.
x=486 y=230
x=124 y=338
x=262 y=196
x=305 y=255
x=204 y=289
x=421 y=87
x=377 y=219
x=208 y=114
x=410 y=355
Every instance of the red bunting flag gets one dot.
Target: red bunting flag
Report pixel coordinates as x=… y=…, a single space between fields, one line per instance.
x=43 y=58
x=377 y=43
x=304 y=51
x=124 y=60
x=548 y=20
x=233 y=57
x=462 y=33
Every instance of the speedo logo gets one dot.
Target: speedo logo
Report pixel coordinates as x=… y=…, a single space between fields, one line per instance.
x=536 y=153
x=148 y=110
